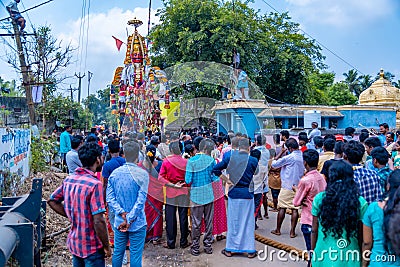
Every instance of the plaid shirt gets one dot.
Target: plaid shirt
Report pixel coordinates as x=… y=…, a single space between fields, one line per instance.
x=368 y=183
x=383 y=174
x=199 y=173
x=82 y=194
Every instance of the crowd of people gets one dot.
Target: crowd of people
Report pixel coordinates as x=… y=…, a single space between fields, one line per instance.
x=121 y=188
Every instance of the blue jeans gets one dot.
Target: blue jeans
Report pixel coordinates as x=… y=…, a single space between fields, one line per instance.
x=306 y=229
x=93 y=260
x=136 y=246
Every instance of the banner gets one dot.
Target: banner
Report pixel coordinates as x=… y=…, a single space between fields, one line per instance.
x=37 y=92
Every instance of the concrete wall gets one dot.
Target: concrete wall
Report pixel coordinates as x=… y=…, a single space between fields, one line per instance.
x=18 y=108
x=242 y=120
x=368 y=118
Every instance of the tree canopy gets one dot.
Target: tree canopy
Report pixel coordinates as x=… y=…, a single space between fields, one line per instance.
x=274 y=54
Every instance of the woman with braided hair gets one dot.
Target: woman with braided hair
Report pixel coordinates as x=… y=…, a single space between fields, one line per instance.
x=337 y=213
x=381 y=231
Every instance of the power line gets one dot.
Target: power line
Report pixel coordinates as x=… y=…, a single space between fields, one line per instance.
x=83 y=23
x=87 y=33
x=318 y=42
x=29 y=19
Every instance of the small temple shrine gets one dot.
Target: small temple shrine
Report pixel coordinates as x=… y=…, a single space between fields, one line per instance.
x=377 y=104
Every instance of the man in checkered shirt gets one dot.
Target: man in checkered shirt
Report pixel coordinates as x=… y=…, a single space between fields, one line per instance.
x=367 y=180
x=82 y=194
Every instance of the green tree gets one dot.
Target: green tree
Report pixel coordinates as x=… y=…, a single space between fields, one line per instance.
x=273 y=52
x=59 y=108
x=353 y=82
x=9 y=88
x=99 y=105
x=319 y=84
x=50 y=59
x=397 y=84
x=339 y=94
x=365 y=81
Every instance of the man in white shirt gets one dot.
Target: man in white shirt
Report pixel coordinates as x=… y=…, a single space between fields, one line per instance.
x=72 y=158
x=12 y=8
x=314 y=132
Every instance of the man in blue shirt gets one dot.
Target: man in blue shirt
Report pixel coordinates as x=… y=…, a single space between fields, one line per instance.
x=383 y=130
x=65 y=143
x=126 y=196
x=241 y=168
x=370 y=144
x=115 y=162
x=199 y=173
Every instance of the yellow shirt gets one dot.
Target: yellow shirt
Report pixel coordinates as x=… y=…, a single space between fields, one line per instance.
x=327 y=155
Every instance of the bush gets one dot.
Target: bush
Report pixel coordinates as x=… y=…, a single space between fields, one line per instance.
x=42 y=152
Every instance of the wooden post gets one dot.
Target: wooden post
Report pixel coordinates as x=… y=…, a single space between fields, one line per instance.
x=25 y=74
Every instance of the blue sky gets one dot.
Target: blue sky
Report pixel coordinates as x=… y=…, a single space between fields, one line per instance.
x=362 y=32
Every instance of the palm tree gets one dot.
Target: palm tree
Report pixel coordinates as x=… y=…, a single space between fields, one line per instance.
x=353 y=82
x=396 y=84
x=365 y=81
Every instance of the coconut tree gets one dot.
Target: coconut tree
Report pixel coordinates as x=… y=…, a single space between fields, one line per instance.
x=365 y=81
x=353 y=82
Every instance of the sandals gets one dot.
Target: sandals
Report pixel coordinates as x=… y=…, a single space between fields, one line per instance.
x=251 y=255
x=157 y=241
x=220 y=237
x=226 y=253
x=275 y=232
x=230 y=254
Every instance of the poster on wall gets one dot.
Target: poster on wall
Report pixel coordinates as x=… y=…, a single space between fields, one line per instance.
x=15 y=147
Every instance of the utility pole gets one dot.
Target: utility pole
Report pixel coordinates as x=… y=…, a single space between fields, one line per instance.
x=25 y=73
x=79 y=85
x=72 y=93
x=90 y=74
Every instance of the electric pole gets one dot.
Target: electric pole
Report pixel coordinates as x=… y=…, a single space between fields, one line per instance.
x=72 y=93
x=79 y=85
x=26 y=82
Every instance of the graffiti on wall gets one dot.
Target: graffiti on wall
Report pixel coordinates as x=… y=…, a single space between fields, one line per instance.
x=14 y=152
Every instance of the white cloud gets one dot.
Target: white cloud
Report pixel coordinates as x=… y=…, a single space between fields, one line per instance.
x=102 y=55
x=341 y=13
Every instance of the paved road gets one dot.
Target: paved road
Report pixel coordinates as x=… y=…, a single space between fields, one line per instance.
x=158 y=256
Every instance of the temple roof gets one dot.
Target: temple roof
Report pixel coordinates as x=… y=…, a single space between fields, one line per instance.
x=240 y=104
x=381 y=93
x=279 y=111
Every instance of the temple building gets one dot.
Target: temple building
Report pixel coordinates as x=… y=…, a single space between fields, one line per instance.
x=377 y=104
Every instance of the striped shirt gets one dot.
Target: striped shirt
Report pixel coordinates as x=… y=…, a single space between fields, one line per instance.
x=82 y=194
x=199 y=174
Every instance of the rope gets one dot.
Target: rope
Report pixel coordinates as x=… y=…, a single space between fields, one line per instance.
x=275 y=244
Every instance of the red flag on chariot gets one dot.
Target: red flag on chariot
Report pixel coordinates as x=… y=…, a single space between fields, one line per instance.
x=118 y=42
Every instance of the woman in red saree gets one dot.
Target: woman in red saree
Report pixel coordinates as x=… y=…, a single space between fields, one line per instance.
x=155 y=198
